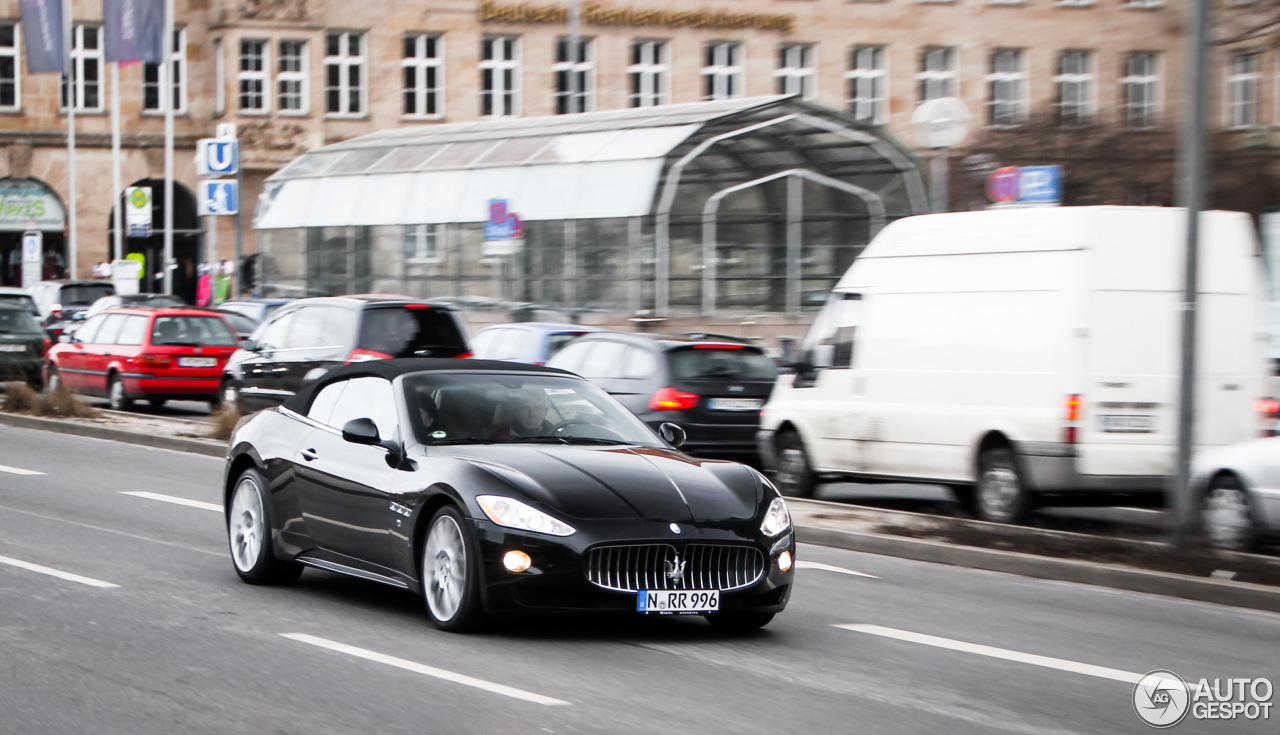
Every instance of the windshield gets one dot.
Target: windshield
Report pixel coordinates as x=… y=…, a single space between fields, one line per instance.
x=491 y=408
x=192 y=331
x=18 y=299
x=85 y=294
x=17 y=321
x=736 y=363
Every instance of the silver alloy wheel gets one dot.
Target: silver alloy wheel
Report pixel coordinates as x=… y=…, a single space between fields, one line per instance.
x=246 y=525
x=998 y=492
x=229 y=394
x=54 y=382
x=444 y=568
x=791 y=467
x=116 y=399
x=1226 y=517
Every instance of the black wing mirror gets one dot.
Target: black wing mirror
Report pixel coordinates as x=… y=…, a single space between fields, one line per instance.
x=361 y=431
x=672 y=434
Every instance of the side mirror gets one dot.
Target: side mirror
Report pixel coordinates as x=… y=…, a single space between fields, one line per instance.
x=249 y=344
x=361 y=431
x=824 y=356
x=672 y=434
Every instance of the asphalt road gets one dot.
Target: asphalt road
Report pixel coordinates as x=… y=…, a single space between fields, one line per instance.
x=180 y=645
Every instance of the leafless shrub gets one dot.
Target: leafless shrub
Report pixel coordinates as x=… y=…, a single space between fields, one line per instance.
x=60 y=403
x=224 y=422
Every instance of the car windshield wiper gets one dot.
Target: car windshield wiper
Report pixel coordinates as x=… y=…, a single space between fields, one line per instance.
x=564 y=440
x=426 y=349
x=179 y=344
x=468 y=440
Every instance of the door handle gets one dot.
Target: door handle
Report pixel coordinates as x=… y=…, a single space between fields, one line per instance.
x=309 y=454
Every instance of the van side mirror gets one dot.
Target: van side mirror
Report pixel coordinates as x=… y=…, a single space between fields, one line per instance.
x=361 y=431
x=672 y=434
x=823 y=356
x=64 y=337
x=249 y=344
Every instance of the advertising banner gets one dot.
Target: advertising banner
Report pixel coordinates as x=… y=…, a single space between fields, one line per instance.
x=133 y=30
x=42 y=28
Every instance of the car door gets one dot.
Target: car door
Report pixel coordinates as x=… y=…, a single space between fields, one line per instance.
x=345 y=487
x=636 y=380
x=260 y=383
x=70 y=359
x=97 y=354
x=317 y=340
x=840 y=434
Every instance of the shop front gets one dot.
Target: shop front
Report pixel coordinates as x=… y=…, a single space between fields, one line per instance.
x=28 y=205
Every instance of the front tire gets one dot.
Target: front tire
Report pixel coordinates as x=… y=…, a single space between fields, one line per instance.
x=451 y=572
x=249 y=534
x=739 y=622
x=116 y=397
x=1002 y=495
x=795 y=475
x=1226 y=515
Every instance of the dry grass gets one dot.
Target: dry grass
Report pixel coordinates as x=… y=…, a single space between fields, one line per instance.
x=61 y=403
x=224 y=422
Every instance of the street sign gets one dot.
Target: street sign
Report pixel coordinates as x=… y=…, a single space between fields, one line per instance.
x=219 y=196
x=1013 y=185
x=137 y=211
x=941 y=122
x=217 y=156
x=32 y=244
x=503 y=223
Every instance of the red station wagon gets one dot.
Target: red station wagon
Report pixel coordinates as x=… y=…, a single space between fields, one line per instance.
x=153 y=354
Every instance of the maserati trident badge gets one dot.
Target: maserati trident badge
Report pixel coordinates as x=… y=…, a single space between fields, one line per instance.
x=675 y=569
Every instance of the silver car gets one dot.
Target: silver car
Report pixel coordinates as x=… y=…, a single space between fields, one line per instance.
x=1239 y=491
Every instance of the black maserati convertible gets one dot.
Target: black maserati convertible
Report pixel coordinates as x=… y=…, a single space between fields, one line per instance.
x=497 y=487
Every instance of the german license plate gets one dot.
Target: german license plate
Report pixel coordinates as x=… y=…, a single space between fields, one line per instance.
x=197 y=362
x=668 y=602
x=735 y=404
x=1128 y=424
x=13 y=348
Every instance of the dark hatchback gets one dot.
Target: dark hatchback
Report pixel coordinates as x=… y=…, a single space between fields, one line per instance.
x=22 y=345
x=306 y=337
x=712 y=386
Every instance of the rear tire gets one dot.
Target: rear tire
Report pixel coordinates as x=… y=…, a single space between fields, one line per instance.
x=156 y=402
x=1226 y=515
x=739 y=621
x=249 y=533
x=794 y=475
x=1001 y=493
x=116 y=397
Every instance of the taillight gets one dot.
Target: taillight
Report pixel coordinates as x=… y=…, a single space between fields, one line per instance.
x=45 y=345
x=359 y=355
x=670 y=399
x=153 y=361
x=1268 y=412
x=55 y=311
x=464 y=354
x=1075 y=409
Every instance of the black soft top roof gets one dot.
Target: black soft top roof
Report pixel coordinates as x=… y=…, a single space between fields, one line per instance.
x=300 y=402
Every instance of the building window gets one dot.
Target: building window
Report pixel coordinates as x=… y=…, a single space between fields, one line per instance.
x=10 y=61
x=650 y=73
x=1139 y=89
x=868 y=84
x=291 y=78
x=1244 y=76
x=573 y=72
x=423 y=70
x=422 y=243
x=499 y=76
x=937 y=75
x=86 y=69
x=722 y=73
x=252 y=77
x=795 y=72
x=1074 y=82
x=1007 y=87
x=344 y=67
x=151 y=101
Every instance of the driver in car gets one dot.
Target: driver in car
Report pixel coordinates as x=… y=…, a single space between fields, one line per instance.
x=528 y=412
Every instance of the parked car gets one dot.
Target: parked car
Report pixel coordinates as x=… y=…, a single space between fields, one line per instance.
x=22 y=345
x=256 y=309
x=156 y=354
x=531 y=342
x=308 y=336
x=1238 y=488
x=60 y=300
x=243 y=325
x=590 y=511
x=18 y=297
x=137 y=299
x=712 y=386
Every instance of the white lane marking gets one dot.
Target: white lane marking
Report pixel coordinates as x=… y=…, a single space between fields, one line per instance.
x=802 y=564
x=55 y=573
x=18 y=471
x=418 y=668
x=173 y=499
x=1061 y=664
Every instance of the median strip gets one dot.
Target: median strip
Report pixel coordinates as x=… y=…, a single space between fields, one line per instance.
x=173 y=499
x=55 y=573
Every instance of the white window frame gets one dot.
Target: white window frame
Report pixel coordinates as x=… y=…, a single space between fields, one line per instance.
x=580 y=65
x=344 y=61
x=931 y=76
x=301 y=76
x=1144 y=4
x=649 y=74
x=14 y=54
x=179 y=85
x=1150 y=82
x=422 y=244
x=421 y=63
x=1243 y=85
x=876 y=75
x=81 y=58
x=723 y=70
x=997 y=78
x=1083 y=110
x=260 y=76
x=797 y=71
x=500 y=94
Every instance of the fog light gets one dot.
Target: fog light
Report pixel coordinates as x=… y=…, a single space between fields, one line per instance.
x=518 y=561
x=784 y=561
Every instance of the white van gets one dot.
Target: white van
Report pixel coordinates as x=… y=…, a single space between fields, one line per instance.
x=1023 y=357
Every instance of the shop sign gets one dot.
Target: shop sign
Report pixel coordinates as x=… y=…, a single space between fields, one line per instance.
x=24 y=202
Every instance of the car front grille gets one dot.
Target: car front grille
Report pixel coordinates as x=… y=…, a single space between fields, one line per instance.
x=657 y=567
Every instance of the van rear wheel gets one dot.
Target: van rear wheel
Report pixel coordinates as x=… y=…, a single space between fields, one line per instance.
x=1002 y=496
x=794 y=475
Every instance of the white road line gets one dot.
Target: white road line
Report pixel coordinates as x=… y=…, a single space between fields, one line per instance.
x=18 y=471
x=418 y=668
x=802 y=564
x=55 y=573
x=175 y=500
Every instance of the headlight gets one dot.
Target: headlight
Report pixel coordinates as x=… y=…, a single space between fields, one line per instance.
x=512 y=513
x=777 y=519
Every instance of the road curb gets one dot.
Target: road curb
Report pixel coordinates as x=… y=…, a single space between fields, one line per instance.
x=207 y=447
x=1234 y=594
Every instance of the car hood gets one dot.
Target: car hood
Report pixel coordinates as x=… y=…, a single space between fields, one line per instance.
x=598 y=483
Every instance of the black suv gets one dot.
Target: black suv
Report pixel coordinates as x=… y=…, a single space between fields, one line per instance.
x=713 y=386
x=304 y=338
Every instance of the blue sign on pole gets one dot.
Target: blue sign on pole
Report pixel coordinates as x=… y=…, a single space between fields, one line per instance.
x=503 y=224
x=219 y=196
x=217 y=156
x=1040 y=184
